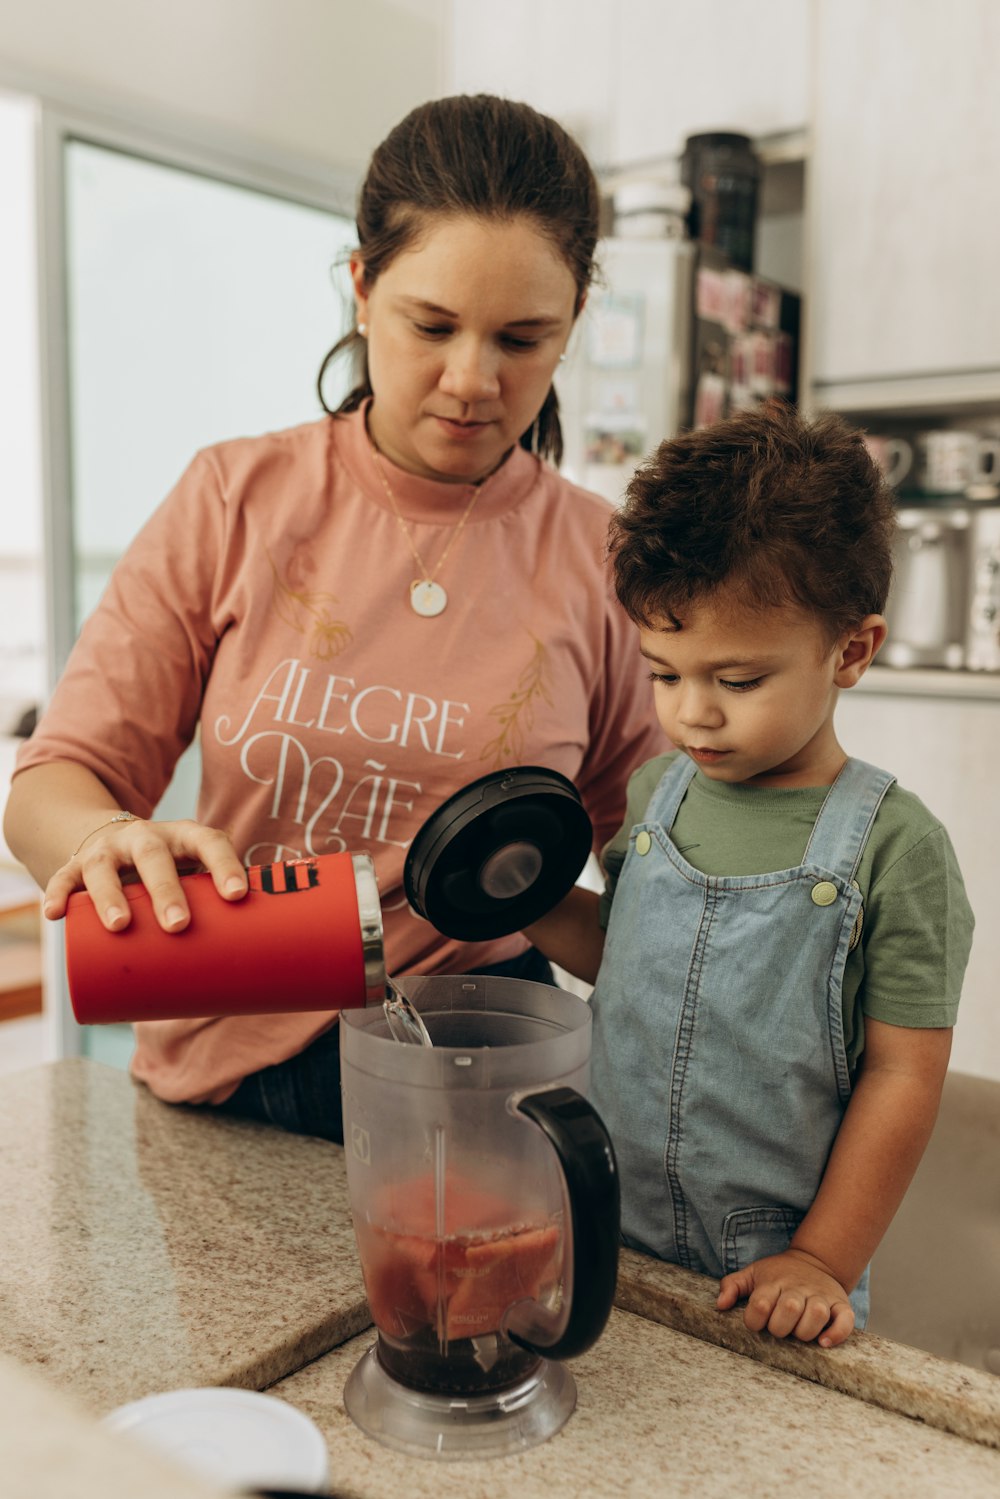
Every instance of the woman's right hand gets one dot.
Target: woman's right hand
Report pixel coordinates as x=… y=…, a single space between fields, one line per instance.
x=153 y=850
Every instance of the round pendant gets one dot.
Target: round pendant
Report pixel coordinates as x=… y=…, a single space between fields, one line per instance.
x=427 y=598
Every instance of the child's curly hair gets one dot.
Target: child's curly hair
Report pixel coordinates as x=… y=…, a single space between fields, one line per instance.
x=781 y=510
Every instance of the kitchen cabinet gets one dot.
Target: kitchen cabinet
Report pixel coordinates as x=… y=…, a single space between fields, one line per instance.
x=945 y=750
x=902 y=299
x=632 y=79
x=905 y=199
x=902 y=219
x=903 y=308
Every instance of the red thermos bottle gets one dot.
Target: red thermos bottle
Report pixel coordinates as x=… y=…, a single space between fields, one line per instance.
x=489 y=861
x=307 y=936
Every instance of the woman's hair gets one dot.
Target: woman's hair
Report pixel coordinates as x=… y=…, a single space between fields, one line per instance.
x=780 y=510
x=493 y=158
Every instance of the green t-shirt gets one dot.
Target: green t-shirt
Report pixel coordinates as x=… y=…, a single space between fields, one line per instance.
x=907 y=969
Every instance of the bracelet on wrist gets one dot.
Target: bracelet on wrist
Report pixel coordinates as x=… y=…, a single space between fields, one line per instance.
x=118 y=817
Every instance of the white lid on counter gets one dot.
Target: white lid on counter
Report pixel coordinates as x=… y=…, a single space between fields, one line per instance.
x=235 y=1438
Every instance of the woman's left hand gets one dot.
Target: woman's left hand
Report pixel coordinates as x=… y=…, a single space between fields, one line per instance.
x=791 y=1295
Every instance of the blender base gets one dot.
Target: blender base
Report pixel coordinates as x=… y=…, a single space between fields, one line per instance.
x=442 y=1426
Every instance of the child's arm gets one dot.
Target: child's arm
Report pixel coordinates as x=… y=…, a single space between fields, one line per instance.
x=885 y=1129
x=571 y=935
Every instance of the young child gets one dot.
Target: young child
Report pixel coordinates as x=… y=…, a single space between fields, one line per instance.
x=787 y=928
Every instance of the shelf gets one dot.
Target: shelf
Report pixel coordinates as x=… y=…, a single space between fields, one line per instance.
x=966 y=392
x=890 y=681
x=782 y=147
x=777 y=148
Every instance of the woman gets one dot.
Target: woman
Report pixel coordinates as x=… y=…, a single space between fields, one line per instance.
x=361 y=614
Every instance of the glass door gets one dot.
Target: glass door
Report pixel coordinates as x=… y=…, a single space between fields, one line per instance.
x=195 y=308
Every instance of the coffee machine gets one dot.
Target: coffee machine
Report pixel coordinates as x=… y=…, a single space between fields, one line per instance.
x=928 y=603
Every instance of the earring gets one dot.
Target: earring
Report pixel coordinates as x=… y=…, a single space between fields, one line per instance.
x=363 y=329
x=562 y=358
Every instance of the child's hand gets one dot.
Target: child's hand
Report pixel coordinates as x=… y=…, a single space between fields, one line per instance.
x=791 y=1294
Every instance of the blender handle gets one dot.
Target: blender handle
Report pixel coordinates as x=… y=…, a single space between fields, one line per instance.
x=578 y=1135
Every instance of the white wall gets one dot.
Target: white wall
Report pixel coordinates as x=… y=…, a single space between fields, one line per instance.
x=319 y=78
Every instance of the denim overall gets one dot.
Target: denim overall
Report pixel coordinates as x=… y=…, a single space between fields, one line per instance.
x=718 y=1059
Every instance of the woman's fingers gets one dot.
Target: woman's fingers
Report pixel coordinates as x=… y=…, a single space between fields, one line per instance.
x=59 y=889
x=155 y=865
x=217 y=855
x=153 y=850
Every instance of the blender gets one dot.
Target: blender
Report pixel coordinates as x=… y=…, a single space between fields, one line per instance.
x=484 y=1195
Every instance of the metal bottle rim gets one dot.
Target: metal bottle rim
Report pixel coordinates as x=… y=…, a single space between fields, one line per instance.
x=370 y=918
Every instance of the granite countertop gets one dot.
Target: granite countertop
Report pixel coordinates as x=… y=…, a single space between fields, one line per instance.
x=660 y=1412
x=950 y=1396
x=147 y=1248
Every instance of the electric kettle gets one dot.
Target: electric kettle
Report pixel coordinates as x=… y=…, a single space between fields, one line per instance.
x=485 y=1201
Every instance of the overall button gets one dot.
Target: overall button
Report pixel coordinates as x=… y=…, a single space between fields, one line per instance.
x=643 y=843
x=824 y=894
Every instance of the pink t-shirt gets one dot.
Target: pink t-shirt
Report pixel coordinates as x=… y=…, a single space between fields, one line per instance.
x=267 y=600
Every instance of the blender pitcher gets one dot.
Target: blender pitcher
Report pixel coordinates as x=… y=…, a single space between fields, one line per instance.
x=484 y=1194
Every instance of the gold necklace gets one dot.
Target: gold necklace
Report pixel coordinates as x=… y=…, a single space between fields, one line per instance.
x=427 y=598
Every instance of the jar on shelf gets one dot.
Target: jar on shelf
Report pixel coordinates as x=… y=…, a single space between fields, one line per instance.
x=722 y=172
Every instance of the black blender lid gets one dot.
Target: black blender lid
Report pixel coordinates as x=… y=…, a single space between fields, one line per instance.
x=498 y=854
